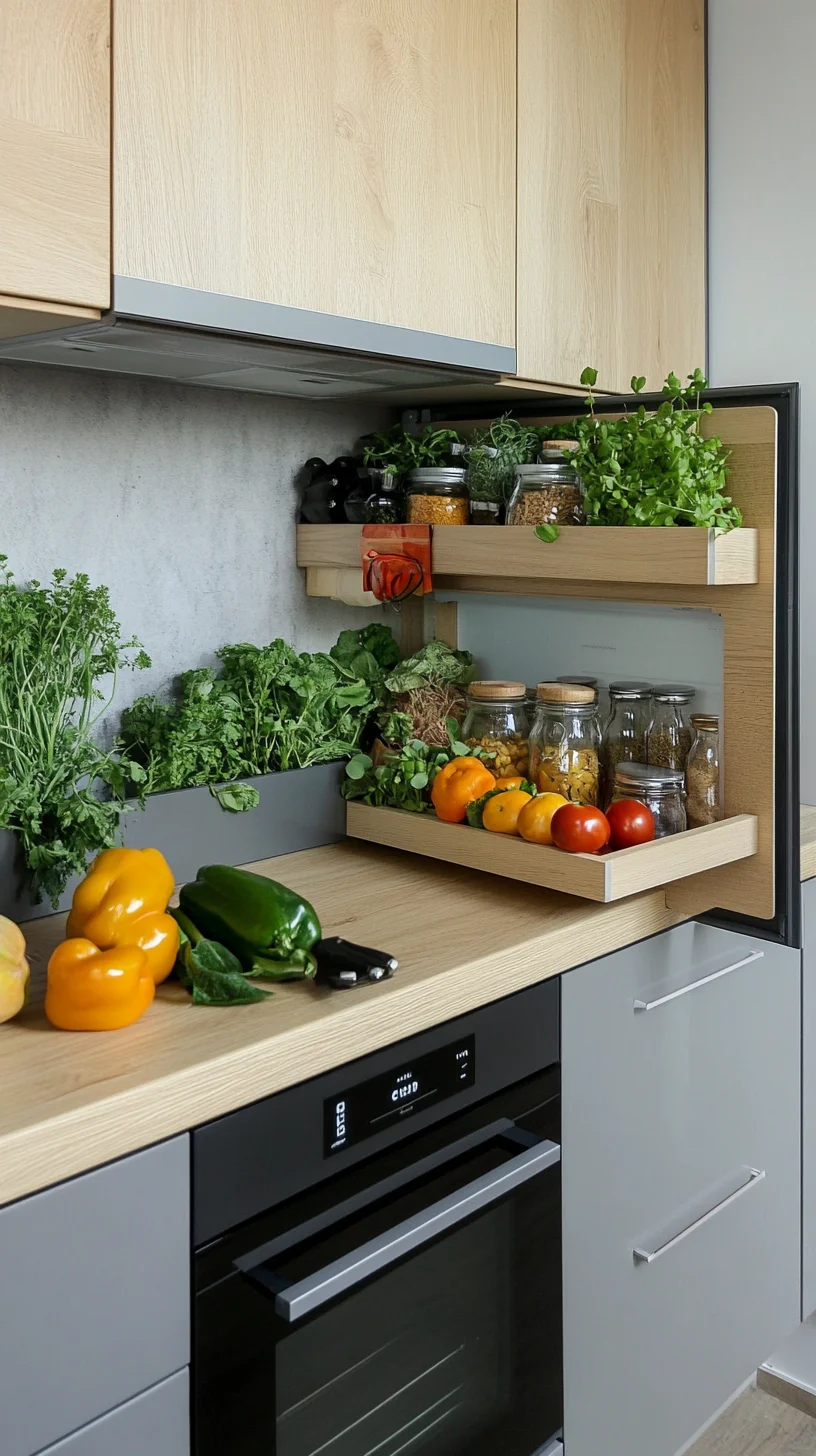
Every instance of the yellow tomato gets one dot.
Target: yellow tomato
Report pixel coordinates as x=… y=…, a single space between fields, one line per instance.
x=501 y=813
x=535 y=819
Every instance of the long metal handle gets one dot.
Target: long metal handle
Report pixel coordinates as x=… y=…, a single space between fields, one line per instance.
x=648 y=1256
x=297 y=1300
x=754 y=955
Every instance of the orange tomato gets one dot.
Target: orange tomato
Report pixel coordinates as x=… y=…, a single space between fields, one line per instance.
x=535 y=819
x=501 y=813
x=515 y=783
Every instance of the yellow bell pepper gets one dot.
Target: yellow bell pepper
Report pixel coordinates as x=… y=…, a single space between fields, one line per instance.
x=122 y=901
x=14 y=970
x=97 y=990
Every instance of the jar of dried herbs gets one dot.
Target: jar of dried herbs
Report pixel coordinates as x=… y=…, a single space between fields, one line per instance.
x=668 y=738
x=624 y=737
x=497 y=721
x=437 y=496
x=565 y=742
x=704 y=803
x=549 y=492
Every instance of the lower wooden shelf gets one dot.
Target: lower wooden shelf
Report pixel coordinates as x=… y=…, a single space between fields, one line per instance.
x=592 y=877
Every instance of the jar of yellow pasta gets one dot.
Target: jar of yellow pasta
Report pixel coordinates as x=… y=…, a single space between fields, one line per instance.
x=565 y=742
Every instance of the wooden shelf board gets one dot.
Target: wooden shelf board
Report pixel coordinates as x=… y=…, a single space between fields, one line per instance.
x=658 y=556
x=603 y=878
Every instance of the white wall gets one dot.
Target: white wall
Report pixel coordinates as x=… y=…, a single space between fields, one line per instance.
x=181 y=500
x=762 y=186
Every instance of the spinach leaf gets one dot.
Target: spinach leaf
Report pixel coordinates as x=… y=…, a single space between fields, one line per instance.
x=210 y=972
x=236 y=798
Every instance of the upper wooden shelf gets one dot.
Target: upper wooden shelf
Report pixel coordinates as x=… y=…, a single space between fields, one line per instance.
x=684 y=556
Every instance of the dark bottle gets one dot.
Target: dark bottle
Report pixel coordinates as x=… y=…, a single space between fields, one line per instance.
x=324 y=493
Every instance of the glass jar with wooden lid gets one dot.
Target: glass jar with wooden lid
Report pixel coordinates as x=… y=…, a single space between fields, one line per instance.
x=437 y=496
x=549 y=493
x=565 y=742
x=497 y=721
x=704 y=804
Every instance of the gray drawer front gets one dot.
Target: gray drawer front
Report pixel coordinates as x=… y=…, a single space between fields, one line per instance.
x=664 y=1113
x=154 y=1424
x=94 y=1294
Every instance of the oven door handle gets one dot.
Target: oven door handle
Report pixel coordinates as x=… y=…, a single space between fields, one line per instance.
x=293 y=1301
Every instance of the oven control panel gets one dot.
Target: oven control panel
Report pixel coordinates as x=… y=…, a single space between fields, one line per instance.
x=370 y=1107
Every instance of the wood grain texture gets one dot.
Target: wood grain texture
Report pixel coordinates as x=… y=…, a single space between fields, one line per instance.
x=33 y=316
x=73 y=1101
x=55 y=149
x=603 y=878
x=662 y=556
x=758 y=1425
x=355 y=157
x=807 y=841
x=611 y=261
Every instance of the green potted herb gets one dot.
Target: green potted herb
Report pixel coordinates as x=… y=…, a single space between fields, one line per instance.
x=494 y=453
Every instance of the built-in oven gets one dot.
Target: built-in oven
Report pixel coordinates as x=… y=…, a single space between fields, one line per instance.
x=378 y=1252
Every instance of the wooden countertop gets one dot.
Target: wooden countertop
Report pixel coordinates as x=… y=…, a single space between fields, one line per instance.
x=71 y=1101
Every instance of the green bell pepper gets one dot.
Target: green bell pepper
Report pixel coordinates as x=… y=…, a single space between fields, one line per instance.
x=269 y=928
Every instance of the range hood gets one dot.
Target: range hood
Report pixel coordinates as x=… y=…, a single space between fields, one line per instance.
x=160 y=331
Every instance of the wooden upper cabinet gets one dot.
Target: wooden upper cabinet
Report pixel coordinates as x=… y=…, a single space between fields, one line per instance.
x=611 y=189
x=54 y=160
x=354 y=157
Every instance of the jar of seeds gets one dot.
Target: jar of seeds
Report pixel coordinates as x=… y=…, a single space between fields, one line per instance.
x=624 y=737
x=668 y=738
x=497 y=721
x=704 y=804
x=548 y=493
x=565 y=742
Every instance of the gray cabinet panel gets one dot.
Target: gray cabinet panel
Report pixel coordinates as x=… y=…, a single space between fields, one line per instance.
x=666 y=1112
x=808 y=1097
x=94 y=1294
x=154 y=1424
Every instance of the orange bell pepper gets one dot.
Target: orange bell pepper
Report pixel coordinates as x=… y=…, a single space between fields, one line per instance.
x=457 y=785
x=13 y=969
x=97 y=990
x=122 y=901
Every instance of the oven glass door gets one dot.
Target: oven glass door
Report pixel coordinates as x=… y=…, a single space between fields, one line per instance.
x=427 y=1321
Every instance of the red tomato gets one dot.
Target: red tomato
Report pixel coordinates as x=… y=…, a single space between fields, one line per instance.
x=580 y=829
x=629 y=823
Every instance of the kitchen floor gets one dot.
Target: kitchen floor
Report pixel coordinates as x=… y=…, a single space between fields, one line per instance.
x=759 y=1425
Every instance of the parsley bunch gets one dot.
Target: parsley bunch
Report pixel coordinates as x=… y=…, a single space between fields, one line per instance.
x=60 y=792
x=653 y=467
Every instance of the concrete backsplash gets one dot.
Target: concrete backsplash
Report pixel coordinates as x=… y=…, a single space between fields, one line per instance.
x=181 y=500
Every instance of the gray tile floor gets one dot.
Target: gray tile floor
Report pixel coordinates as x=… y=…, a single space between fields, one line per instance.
x=759 y=1425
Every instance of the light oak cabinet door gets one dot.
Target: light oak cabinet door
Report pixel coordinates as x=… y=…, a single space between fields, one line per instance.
x=54 y=161
x=611 y=189
x=351 y=157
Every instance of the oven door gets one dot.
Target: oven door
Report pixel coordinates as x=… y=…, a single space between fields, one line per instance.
x=420 y=1314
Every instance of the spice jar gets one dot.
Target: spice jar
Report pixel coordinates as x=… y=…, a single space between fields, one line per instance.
x=437 y=496
x=496 y=720
x=703 y=772
x=548 y=493
x=624 y=737
x=565 y=742
x=660 y=789
x=668 y=737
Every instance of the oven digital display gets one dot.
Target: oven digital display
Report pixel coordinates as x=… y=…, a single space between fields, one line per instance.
x=382 y=1102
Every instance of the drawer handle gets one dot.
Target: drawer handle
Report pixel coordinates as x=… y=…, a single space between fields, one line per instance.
x=648 y=1256
x=755 y=955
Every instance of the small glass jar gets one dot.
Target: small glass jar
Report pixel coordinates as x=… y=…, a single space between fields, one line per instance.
x=377 y=499
x=549 y=493
x=660 y=789
x=624 y=737
x=565 y=742
x=668 y=737
x=704 y=804
x=487 y=485
x=496 y=720
x=437 y=496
